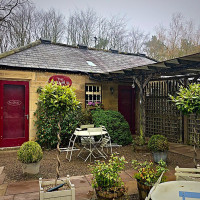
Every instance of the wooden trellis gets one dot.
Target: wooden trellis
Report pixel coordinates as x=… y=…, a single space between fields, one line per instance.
x=162 y=117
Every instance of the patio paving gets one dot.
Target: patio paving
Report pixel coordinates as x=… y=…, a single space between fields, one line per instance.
x=29 y=190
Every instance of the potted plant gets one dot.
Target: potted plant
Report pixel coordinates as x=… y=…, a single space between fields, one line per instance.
x=58 y=100
x=94 y=105
x=106 y=180
x=159 y=146
x=30 y=154
x=187 y=100
x=140 y=144
x=147 y=175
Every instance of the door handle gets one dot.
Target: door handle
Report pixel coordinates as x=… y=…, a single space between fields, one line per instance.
x=26 y=116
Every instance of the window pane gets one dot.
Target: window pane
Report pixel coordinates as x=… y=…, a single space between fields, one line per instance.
x=94 y=88
x=90 y=88
x=86 y=97
x=90 y=97
x=95 y=97
x=97 y=89
x=86 y=88
x=98 y=97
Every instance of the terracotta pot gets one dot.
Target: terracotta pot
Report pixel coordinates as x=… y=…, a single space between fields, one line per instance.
x=113 y=193
x=143 y=190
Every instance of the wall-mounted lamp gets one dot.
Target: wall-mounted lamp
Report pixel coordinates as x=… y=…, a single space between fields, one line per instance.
x=133 y=85
x=111 y=90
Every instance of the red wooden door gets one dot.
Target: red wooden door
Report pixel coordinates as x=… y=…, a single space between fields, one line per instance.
x=14 y=112
x=126 y=105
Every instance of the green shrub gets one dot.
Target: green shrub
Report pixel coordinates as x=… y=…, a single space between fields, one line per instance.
x=56 y=103
x=116 y=125
x=30 y=152
x=158 y=143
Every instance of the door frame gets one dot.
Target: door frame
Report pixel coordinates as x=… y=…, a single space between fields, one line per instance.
x=14 y=142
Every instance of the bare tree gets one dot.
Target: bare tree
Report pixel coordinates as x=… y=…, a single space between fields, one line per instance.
x=21 y=29
x=136 y=40
x=117 y=32
x=51 y=25
x=7 y=8
x=81 y=27
x=179 y=39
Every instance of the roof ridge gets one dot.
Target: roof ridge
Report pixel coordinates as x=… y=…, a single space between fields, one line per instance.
x=37 y=42
x=16 y=50
x=104 y=50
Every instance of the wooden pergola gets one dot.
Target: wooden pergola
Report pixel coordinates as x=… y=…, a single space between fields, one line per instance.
x=181 y=69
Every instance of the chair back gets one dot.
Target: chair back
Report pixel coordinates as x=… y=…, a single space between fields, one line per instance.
x=187 y=174
x=104 y=141
x=87 y=126
x=97 y=129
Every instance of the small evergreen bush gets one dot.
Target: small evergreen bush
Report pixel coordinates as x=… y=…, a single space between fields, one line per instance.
x=158 y=143
x=116 y=125
x=30 y=152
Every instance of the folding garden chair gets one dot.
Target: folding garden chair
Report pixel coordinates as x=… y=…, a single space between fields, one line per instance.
x=70 y=147
x=154 y=187
x=187 y=174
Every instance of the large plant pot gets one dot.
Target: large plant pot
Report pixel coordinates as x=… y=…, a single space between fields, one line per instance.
x=68 y=194
x=112 y=194
x=143 y=190
x=31 y=168
x=157 y=156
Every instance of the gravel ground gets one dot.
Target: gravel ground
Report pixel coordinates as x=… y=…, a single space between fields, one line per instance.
x=77 y=166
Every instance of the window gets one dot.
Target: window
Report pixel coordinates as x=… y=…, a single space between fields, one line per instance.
x=92 y=93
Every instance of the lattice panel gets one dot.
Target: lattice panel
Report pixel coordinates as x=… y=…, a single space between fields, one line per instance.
x=162 y=117
x=193 y=122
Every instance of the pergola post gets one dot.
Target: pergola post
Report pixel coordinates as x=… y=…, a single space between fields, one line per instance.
x=141 y=82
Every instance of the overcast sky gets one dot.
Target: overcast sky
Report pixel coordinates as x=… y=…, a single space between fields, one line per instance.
x=145 y=14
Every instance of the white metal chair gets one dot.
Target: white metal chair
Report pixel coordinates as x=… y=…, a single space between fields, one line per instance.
x=86 y=126
x=70 y=147
x=101 y=145
x=187 y=174
x=154 y=187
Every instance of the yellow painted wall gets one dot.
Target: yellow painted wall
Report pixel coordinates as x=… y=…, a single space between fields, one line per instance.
x=37 y=79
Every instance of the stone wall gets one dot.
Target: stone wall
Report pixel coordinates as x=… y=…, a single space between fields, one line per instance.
x=37 y=79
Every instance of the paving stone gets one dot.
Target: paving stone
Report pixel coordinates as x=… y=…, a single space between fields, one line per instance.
x=85 y=192
x=131 y=172
x=10 y=197
x=2 y=177
x=27 y=196
x=22 y=187
x=89 y=178
x=1 y=169
x=79 y=181
x=125 y=177
x=80 y=197
x=3 y=188
x=132 y=187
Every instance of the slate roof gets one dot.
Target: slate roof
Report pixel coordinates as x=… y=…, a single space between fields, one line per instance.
x=39 y=55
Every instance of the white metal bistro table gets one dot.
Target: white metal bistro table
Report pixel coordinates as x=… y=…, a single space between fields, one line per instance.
x=90 y=135
x=170 y=190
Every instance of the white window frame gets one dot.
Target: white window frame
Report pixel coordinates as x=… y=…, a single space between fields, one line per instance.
x=93 y=93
